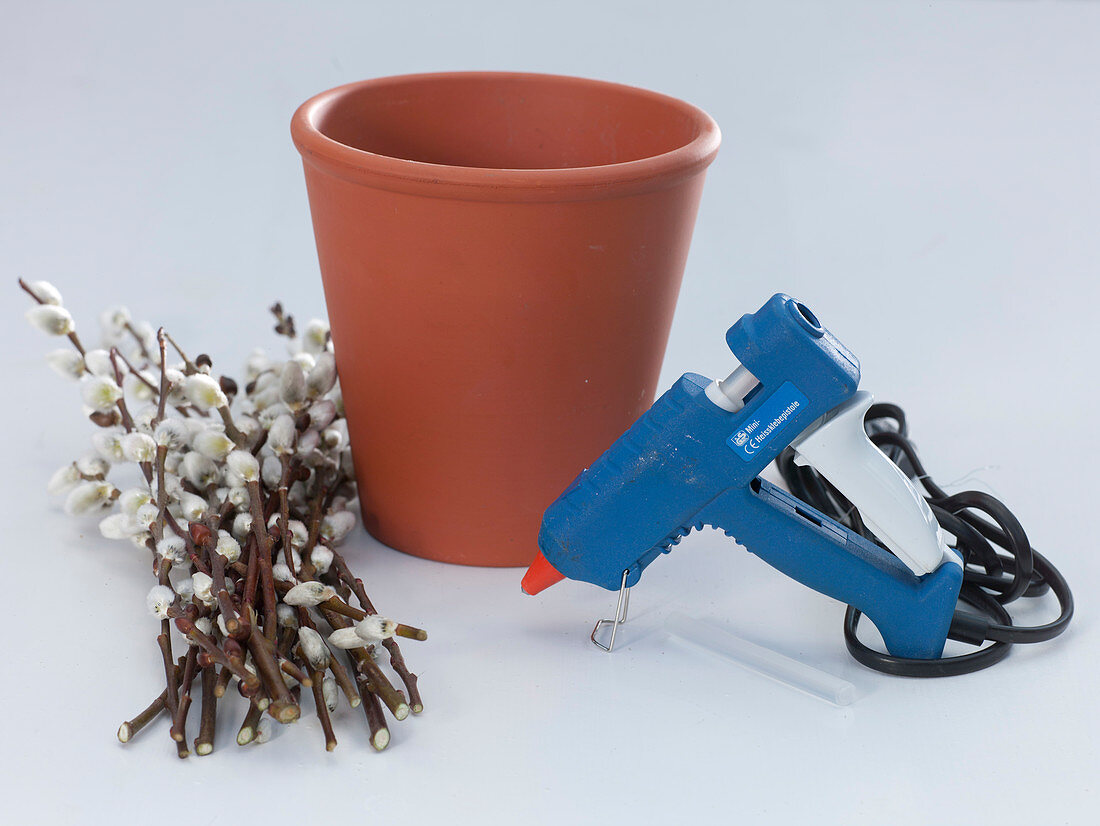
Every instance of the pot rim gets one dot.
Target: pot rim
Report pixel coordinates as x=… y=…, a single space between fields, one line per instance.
x=500 y=184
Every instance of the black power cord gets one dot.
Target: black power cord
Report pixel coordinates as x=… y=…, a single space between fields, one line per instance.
x=981 y=525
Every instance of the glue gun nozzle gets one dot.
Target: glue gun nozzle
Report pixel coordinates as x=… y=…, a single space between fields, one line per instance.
x=540 y=575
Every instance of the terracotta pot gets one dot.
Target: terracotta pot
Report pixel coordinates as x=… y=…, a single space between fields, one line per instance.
x=501 y=255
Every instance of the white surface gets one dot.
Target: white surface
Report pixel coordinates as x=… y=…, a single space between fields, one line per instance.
x=923 y=175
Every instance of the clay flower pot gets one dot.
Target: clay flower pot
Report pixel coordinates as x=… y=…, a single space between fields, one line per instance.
x=501 y=255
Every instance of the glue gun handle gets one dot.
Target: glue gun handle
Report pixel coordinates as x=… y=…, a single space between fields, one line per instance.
x=912 y=613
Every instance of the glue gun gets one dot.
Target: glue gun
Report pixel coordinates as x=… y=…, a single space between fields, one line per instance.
x=695 y=457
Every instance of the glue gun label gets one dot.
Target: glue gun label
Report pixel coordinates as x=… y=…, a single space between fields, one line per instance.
x=768 y=420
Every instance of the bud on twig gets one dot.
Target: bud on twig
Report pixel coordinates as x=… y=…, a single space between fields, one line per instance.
x=309 y=594
x=204 y=392
x=51 y=319
x=346 y=638
x=313 y=648
x=100 y=393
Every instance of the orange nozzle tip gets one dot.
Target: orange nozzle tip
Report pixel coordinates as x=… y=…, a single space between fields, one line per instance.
x=540 y=575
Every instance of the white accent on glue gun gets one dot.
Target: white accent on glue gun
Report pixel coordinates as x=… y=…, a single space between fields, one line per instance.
x=729 y=393
x=837 y=446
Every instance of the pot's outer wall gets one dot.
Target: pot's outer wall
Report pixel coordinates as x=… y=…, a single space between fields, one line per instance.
x=489 y=351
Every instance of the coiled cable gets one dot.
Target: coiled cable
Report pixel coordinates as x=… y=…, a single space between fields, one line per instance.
x=999 y=564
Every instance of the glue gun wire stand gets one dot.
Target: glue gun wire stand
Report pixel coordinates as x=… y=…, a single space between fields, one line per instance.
x=991 y=579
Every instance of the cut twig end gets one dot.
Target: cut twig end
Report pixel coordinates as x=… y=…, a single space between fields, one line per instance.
x=411 y=633
x=284 y=711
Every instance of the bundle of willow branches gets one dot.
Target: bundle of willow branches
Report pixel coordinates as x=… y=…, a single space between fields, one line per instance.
x=241 y=497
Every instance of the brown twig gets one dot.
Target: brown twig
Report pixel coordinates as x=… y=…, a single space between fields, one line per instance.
x=164 y=640
x=189 y=366
x=283 y=708
x=203 y=537
x=313 y=530
x=284 y=511
x=252 y=572
x=135 y=372
x=162 y=396
x=322 y=708
x=247 y=731
x=145 y=354
x=128 y=729
x=225 y=676
x=263 y=555
x=231 y=429
x=397 y=663
x=204 y=743
x=250 y=683
x=179 y=720
x=124 y=411
x=379 y=732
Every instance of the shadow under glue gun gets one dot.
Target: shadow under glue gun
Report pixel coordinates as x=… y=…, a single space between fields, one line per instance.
x=695 y=459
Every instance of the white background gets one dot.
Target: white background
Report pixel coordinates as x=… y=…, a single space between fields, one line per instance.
x=926 y=176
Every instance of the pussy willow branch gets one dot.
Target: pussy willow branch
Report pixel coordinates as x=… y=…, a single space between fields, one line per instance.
x=226 y=640
x=72 y=336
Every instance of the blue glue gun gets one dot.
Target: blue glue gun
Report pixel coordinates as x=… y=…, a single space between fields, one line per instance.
x=695 y=458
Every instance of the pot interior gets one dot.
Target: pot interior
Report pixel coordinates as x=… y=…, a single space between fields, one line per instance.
x=507 y=122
